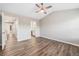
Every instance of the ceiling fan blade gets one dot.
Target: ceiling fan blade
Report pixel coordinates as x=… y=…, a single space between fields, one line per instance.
x=41 y=3
x=37 y=5
x=48 y=7
x=38 y=11
x=45 y=12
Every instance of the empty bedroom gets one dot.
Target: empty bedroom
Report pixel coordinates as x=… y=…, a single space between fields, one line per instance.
x=39 y=29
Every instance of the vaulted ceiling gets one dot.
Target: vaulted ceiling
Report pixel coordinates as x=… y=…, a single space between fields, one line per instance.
x=29 y=9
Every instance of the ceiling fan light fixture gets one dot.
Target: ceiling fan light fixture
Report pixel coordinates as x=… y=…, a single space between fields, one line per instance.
x=42 y=11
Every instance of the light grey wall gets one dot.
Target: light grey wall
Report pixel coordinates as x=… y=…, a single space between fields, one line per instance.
x=61 y=25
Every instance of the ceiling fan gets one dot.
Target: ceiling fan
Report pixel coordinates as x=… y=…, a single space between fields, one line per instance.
x=42 y=8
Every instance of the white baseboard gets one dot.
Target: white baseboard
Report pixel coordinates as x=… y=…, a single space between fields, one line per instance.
x=62 y=41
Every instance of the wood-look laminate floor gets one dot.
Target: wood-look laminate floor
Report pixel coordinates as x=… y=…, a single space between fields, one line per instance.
x=41 y=47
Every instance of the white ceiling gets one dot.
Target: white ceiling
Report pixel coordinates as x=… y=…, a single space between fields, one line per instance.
x=28 y=9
